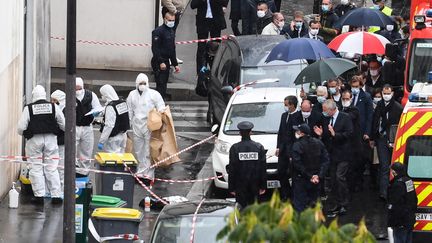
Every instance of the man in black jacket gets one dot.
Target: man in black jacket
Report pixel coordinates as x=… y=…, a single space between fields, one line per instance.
x=297 y=27
x=344 y=7
x=328 y=19
x=387 y=113
x=310 y=163
x=285 y=141
x=265 y=17
x=208 y=22
x=374 y=78
x=306 y=115
x=164 y=53
x=336 y=133
x=402 y=204
x=247 y=167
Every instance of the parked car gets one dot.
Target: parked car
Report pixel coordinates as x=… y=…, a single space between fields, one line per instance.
x=240 y=60
x=174 y=223
x=261 y=106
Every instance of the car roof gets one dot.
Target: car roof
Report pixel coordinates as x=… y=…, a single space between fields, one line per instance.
x=258 y=95
x=210 y=207
x=255 y=47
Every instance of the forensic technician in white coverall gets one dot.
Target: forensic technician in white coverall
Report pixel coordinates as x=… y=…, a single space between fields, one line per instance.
x=87 y=108
x=140 y=101
x=58 y=97
x=115 y=122
x=39 y=123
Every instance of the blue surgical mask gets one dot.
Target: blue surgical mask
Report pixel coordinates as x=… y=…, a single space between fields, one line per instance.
x=170 y=24
x=376 y=6
x=355 y=91
x=321 y=99
x=332 y=90
x=298 y=25
x=325 y=114
x=325 y=8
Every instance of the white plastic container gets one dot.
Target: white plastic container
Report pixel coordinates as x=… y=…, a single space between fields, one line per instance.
x=147 y=204
x=13 y=197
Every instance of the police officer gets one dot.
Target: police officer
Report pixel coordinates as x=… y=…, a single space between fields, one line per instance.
x=116 y=122
x=247 y=167
x=39 y=123
x=402 y=204
x=310 y=162
x=164 y=53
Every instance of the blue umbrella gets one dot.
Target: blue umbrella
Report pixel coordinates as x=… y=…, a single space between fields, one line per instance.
x=360 y=17
x=299 y=48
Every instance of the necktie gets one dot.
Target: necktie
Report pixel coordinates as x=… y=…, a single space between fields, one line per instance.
x=331 y=121
x=306 y=121
x=288 y=115
x=355 y=99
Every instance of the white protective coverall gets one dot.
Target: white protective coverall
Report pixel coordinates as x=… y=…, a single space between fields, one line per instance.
x=140 y=103
x=44 y=146
x=116 y=144
x=60 y=96
x=84 y=134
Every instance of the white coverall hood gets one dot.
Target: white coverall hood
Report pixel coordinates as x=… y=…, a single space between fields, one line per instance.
x=142 y=78
x=38 y=93
x=60 y=96
x=79 y=82
x=109 y=93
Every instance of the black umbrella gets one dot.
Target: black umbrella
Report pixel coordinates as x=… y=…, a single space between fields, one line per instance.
x=364 y=17
x=324 y=69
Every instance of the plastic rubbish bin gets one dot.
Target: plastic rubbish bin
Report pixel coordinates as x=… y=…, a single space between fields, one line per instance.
x=109 y=224
x=102 y=201
x=121 y=186
x=83 y=193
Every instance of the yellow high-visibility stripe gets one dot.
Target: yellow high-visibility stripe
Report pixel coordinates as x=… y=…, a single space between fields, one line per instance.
x=428 y=132
x=428 y=226
x=414 y=128
x=422 y=196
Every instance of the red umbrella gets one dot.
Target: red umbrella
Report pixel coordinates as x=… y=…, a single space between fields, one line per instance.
x=359 y=42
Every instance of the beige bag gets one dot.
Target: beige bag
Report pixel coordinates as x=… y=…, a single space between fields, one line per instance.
x=154 y=120
x=163 y=142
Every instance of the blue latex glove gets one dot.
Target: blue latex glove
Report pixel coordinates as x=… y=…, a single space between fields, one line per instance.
x=95 y=114
x=100 y=146
x=203 y=69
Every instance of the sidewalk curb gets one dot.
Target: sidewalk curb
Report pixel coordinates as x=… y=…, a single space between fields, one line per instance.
x=201 y=189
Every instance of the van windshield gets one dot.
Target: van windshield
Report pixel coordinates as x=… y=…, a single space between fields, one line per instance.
x=264 y=116
x=420 y=62
x=419 y=154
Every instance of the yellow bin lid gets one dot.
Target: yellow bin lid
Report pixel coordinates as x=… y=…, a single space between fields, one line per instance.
x=115 y=158
x=117 y=214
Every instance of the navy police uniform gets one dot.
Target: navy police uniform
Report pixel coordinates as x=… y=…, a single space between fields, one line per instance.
x=247 y=168
x=309 y=157
x=164 y=51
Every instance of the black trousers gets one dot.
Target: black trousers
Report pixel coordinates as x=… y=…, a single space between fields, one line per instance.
x=235 y=27
x=356 y=170
x=339 y=194
x=249 y=19
x=304 y=193
x=161 y=76
x=201 y=54
x=246 y=196
x=284 y=175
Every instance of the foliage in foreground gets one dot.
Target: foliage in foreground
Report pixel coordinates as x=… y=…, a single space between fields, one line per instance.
x=277 y=221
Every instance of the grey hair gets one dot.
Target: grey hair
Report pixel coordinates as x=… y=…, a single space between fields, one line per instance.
x=322 y=89
x=330 y=104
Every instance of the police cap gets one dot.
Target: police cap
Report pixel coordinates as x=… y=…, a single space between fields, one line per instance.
x=304 y=128
x=245 y=125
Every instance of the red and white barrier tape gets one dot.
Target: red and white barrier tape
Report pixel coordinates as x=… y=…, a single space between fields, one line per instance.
x=40 y=158
x=145 y=187
x=194 y=221
x=105 y=43
x=178 y=153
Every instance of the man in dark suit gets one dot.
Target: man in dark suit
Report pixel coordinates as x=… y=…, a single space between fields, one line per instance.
x=285 y=141
x=313 y=32
x=306 y=115
x=374 y=78
x=336 y=133
x=208 y=22
x=363 y=101
x=387 y=113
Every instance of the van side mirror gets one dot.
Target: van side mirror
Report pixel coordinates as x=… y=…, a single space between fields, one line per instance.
x=392 y=134
x=215 y=129
x=227 y=89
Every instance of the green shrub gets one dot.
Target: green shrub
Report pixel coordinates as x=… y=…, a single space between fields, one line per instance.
x=275 y=221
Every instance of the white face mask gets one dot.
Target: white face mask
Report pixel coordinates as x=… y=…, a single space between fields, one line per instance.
x=390 y=27
x=346 y=104
x=142 y=87
x=80 y=92
x=281 y=24
x=374 y=73
x=286 y=108
x=260 y=13
x=387 y=97
x=170 y=24
x=306 y=114
x=314 y=31
x=376 y=100
x=297 y=135
x=344 y=2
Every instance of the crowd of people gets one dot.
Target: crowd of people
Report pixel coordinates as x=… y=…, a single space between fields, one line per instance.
x=42 y=123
